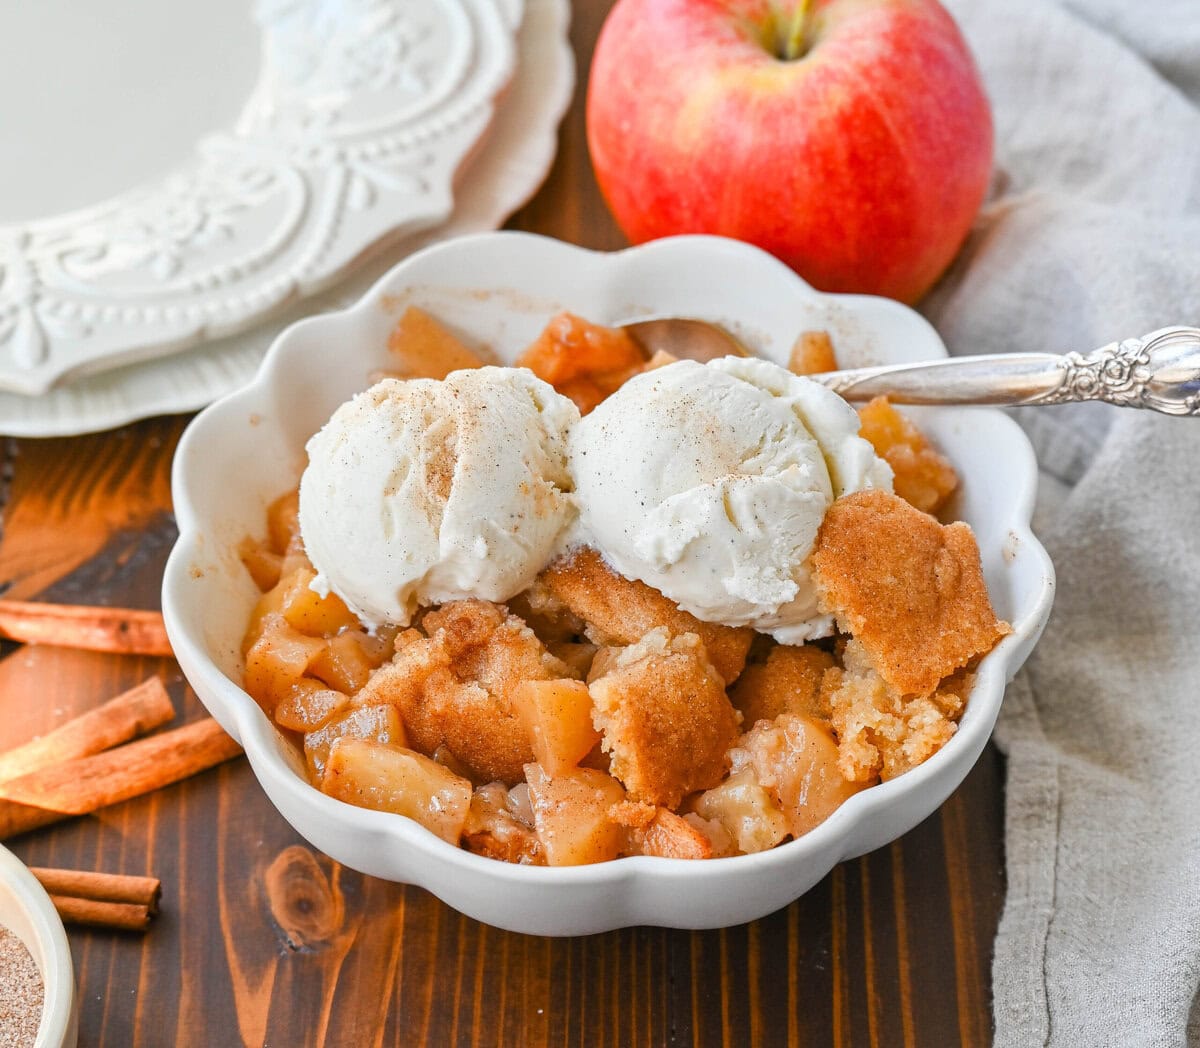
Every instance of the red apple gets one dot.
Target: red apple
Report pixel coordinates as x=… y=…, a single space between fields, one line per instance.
x=850 y=138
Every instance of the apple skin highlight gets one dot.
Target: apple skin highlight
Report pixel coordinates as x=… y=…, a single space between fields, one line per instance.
x=861 y=163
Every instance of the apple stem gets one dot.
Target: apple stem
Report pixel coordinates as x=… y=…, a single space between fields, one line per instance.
x=791 y=43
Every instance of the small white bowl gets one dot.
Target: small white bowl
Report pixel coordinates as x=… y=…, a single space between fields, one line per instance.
x=26 y=910
x=498 y=289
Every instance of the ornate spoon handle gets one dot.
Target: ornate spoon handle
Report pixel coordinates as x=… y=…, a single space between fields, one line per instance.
x=1160 y=371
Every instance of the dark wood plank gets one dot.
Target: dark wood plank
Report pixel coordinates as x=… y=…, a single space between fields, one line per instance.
x=264 y=941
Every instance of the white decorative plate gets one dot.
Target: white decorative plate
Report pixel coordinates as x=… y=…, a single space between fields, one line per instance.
x=513 y=161
x=362 y=116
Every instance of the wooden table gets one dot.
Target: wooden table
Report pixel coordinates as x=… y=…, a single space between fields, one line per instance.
x=264 y=941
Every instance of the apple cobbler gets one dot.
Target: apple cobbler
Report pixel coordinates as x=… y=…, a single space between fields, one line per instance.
x=590 y=716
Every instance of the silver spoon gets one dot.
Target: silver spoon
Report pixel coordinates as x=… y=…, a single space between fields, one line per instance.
x=1160 y=371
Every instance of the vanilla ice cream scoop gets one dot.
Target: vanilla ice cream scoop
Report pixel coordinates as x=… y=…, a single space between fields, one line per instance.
x=709 y=483
x=423 y=491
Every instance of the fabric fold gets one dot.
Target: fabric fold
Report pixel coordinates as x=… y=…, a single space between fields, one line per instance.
x=1092 y=234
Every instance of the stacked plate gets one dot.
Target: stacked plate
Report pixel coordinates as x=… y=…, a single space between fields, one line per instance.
x=374 y=127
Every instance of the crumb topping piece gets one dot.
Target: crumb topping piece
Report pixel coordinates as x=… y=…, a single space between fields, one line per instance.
x=883 y=733
x=666 y=721
x=455 y=686
x=621 y=611
x=788 y=682
x=909 y=589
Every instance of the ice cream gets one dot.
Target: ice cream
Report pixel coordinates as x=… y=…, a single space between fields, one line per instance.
x=423 y=491
x=709 y=483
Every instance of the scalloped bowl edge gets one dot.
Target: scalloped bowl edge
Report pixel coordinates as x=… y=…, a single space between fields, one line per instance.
x=261 y=429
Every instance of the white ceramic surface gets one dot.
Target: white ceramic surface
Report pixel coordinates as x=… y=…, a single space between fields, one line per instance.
x=512 y=162
x=26 y=910
x=362 y=115
x=499 y=289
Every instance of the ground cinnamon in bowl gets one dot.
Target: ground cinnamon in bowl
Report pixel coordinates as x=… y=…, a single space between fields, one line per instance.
x=23 y=993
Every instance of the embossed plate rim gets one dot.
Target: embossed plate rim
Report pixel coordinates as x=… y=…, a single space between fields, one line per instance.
x=339 y=146
x=514 y=159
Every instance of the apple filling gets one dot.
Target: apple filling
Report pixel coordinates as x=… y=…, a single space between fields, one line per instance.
x=590 y=717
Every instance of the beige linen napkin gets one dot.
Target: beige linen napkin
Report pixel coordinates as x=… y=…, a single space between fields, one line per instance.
x=1092 y=234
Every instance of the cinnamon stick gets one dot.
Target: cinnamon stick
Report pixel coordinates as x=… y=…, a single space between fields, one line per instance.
x=86 y=784
x=121 y=630
x=21 y=818
x=126 y=916
x=132 y=713
x=101 y=887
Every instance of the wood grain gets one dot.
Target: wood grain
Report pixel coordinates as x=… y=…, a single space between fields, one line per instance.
x=262 y=941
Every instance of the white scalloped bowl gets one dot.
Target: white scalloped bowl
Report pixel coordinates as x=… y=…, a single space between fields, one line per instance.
x=499 y=289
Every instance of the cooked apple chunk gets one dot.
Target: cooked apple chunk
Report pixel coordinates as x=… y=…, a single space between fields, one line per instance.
x=261 y=562
x=345 y=662
x=651 y=830
x=572 y=815
x=378 y=723
x=276 y=660
x=788 y=682
x=745 y=810
x=283 y=521
x=583 y=361
x=812 y=354
x=308 y=705
x=309 y=612
x=374 y=775
x=796 y=760
x=558 y=716
x=909 y=589
x=424 y=348
x=622 y=611
x=719 y=838
x=660 y=359
x=501 y=827
x=456 y=686
x=666 y=720
x=922 y=476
